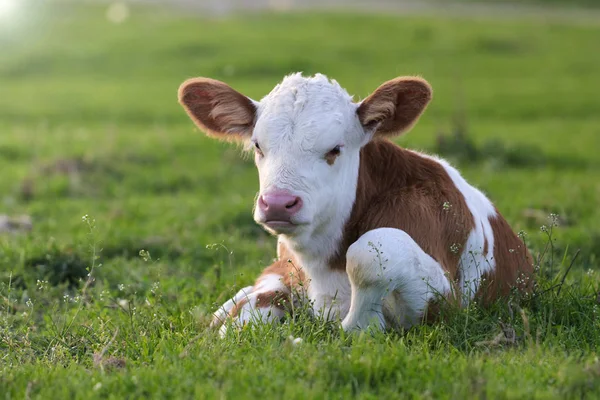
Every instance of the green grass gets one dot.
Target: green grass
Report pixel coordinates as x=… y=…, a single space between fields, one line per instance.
x=89 y=125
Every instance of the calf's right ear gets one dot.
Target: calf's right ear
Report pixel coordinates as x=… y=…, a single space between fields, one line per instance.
x=217 y=109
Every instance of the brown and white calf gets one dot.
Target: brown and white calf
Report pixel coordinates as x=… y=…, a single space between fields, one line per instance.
x=375 y=233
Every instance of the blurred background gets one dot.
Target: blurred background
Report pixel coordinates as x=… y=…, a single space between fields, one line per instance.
x=90 y=125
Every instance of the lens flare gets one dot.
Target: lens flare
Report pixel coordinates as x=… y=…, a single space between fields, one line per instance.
x=7 y=7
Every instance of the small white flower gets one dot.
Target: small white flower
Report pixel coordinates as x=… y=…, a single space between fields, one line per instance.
x=41 y=285
x=145 y=255
x=455 y=248
x=295 y=341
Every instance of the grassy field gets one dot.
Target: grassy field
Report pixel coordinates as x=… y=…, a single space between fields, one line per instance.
x=90 y=126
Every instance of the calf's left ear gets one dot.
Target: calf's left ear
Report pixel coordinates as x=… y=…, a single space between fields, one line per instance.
x=395 y=106
x=217 y=109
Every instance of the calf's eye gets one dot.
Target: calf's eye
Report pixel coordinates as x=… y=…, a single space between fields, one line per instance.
x=333 y=154
x=257 y=149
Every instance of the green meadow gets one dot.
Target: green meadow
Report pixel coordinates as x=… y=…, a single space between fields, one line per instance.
x=141 y=226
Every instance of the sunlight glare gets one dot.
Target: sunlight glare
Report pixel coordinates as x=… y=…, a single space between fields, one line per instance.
x=7 y=7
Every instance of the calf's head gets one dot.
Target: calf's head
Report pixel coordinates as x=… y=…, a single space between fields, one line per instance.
x=306 y=135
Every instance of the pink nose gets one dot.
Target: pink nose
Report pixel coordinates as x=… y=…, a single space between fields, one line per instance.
x=279 y=205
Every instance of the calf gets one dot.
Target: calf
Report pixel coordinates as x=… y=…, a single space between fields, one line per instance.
x=370 y=232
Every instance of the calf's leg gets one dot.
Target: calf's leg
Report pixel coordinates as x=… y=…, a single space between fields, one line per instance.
x=222 y=312
x=393 y=280
x=267 y=300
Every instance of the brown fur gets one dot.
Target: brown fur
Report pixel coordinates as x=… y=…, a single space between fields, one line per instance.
x=416 y=189
x=276 y=298
x=330 y=158
x=514 y=264
x=395 y=106
x=237 y=307
x=217 y=109
x=429 y=207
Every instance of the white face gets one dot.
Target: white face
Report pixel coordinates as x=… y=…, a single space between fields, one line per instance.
x=307 y=141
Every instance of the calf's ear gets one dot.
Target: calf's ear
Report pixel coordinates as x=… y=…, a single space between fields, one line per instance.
x=217 y=109
x=395 y=106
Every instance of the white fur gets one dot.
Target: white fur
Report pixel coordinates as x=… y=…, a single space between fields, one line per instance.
x=249 y=312
x=329 y=291
x=473 y=262
x=392 y=279
x=222 y=312
x=269 y=283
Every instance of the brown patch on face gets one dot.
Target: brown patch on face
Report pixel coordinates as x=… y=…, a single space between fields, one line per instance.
x=400 y=189
x=395 y=106
x=217 y=109
x=514 y=264
x=333 y=154
x=330 y=158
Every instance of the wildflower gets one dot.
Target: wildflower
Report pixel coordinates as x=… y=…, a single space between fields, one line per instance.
x=41 y=285
x=145 y=254
x=455 y=248
x=295 y=341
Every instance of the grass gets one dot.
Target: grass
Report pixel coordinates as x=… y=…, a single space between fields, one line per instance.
x=89 y=125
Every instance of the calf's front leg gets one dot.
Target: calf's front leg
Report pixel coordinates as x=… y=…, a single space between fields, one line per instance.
x=393 y=280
